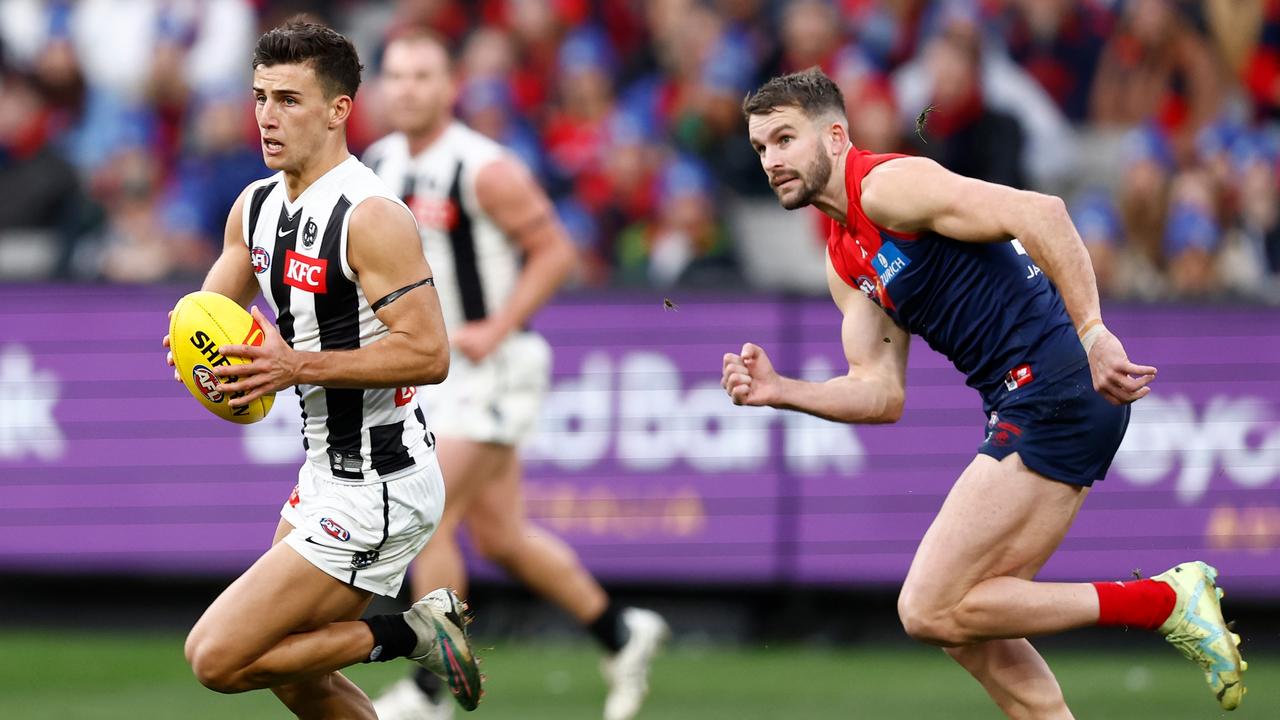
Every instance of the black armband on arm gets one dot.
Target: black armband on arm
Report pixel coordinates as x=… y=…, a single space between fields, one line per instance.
x=395 y=295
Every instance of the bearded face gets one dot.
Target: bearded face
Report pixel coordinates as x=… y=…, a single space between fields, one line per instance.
x=793 y=155
x=798 y=187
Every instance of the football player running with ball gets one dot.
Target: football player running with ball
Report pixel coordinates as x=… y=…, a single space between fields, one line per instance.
x=480 y=212
x=337 y=256
x=914 y=248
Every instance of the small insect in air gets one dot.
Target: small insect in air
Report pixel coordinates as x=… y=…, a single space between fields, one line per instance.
x=667 y=304
x=921 y=119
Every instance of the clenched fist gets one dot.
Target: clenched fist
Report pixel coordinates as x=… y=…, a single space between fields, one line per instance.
x=749 y=378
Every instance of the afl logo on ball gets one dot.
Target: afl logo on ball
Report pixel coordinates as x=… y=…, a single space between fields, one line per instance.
x=309 y=233
x=334 y=529
x=260 y=260
x=207 y=383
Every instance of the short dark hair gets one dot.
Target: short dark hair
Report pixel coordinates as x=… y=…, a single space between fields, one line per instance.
x=810 y=90
x=332 y=56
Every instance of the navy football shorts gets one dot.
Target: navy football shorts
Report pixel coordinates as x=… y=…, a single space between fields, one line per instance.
x=1064 y=430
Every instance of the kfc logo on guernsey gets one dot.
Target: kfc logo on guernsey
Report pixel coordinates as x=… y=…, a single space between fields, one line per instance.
x=305 y=273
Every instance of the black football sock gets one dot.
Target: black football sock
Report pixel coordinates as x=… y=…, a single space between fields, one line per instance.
x=392 y=637
x=608 y=629
x=428 y=682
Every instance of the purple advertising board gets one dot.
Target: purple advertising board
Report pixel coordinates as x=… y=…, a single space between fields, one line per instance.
x=640 y=461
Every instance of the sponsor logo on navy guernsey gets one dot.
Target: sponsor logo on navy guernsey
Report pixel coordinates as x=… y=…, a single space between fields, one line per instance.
x=889 y=262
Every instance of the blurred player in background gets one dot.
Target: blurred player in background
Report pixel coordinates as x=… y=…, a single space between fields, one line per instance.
x=914 y=248
x=479 y=210
x=338 y=258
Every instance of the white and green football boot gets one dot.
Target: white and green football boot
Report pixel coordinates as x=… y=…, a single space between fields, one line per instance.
x=1197 y=629
x=440 y=621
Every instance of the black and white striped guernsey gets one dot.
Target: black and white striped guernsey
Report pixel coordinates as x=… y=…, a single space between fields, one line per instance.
x=299 y=255
x=475 y=263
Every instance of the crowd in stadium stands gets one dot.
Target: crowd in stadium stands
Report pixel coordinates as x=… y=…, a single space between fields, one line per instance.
x=126 y=128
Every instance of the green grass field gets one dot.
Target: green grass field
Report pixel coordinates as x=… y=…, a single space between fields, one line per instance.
x=70 y=675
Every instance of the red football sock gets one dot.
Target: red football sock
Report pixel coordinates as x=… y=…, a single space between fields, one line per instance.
x=1143 y=604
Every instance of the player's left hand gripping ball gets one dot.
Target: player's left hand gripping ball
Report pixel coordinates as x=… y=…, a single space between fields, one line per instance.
x=200 y=324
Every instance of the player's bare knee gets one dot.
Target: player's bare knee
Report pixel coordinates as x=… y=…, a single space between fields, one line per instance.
x=212 y=668
x=218 y=678
x=923 y=626
x=926 y=622
x=914 y=615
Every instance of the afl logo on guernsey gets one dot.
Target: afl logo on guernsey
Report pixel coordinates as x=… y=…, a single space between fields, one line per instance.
x=873 y=288
x=868 y=287
x=260 y=259
x=309 y=233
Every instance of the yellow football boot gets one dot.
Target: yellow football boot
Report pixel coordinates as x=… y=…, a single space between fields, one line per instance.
x=1197 y=629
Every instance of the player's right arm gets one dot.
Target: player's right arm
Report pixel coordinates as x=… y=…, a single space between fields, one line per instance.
x=232 y=273
x=874 y=389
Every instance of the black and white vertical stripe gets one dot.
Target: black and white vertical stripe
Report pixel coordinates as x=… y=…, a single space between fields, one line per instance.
x=465 y=265
x=286 y=236
x=337 y=314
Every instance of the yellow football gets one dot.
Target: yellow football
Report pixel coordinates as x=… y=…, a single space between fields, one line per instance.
x=201 y=323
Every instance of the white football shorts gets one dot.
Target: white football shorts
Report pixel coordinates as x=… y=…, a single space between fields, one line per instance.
x=495 y=400
x=365 y=535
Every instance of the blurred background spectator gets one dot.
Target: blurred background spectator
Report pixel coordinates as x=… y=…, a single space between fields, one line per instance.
x=126 y=130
